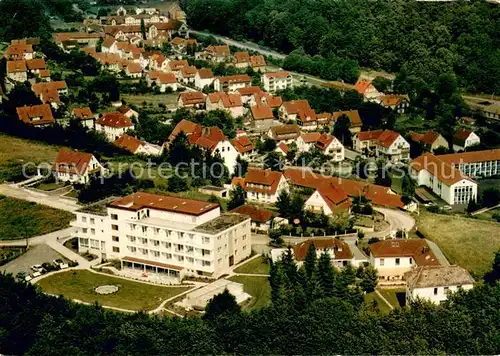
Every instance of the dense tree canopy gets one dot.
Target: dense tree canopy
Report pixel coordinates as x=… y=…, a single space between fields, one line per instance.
x=422 y=38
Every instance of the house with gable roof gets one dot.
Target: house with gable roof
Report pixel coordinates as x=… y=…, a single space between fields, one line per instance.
x=398 y=103
x=306 y=141
x=431 y=140
x=386 y=143
x=17 y=71
x=203 y=78
x=84 y=115
x=331 y=146
x=275 y=81
x=328 y=199
x=191 y=100
x=217 y=54
x=260 y=218
x=232 y=83
x=284 y=133
x=393 y=258
x=161 y=80
x=262 y=185
x=36 y=115
x=262 y=117
x=75 y=167
x=463 y=139
x=339 y=251
x=138 y=147
x=354 y=119
x=113 y=125
x=368 y=90
x=244 y=146
x=227 y=102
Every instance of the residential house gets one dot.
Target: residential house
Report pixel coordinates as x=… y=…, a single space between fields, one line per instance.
x=262 y=117
x=36 y=115
x=274 y=102
x=113 y=125
x=436 y=283
x=324 y=119
x=232 y=83
x=203 y=78
x=180 y=45
x=110 y=61
x=218 y=54
x=476 y=164
x=187 y=75
x=393 y=258
x=109 y=45
x=138 y=147
x=71 y=40
x=85 y=116
x=328 y=199
x=430 y=140
x=261 y=219
x=158 y=62
x=275 y=81
x=368 y=90
x=289 y=110
x=331 y=147
x=34 y=66
x=463 y=139
x=211 y=139
x=392 y=146
x=227 y=102
x=282 y=149
x=446 y=181
x=262 y=185
x=44 y=75
x=133 y=70
x=241 y=60
x=258 y=63
x=398 y=103
x=307 y=141
x=128 y=112
x=339 y=251
x=161 y=80
x=20 y=51
x=244 y=146
x=17 y=71
x=284 y=133
x=365 y=140
x=191 y=100
x=176 y=66
x=354 y=119
x=75 y=167
x=247 y=94
x=184 y=237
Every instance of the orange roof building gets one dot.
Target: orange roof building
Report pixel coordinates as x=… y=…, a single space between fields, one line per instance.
x=37 y=115
x=262 y=185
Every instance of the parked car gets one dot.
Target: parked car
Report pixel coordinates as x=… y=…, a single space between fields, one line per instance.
x=28 y=278
x=37 y=268
x=37 y=274
x=60 y=263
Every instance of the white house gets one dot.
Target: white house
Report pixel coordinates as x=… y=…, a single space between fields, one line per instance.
x=138 y=147
x=128 y=112
x=307 y=141
x=331 y=147
x=276 y=81
x=85 y=116
x=262 y=185
x=368 y=90
x=261 y=218
x=393 y=258
x=227 y=102
x=161 y=238
x=392 y=146
x=17 y=71
x=339 y=251
x=75 y=167
x=113 y=125
x=475 y=164
x=203 y=78
x=463 y=139
x=436 y=283
x=232 y=83
x=328 y=199
x=162 y=80
x=444 y=180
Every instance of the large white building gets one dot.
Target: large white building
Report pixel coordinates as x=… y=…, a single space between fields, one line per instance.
x=435 y=283
x=277 y=81
x=159 y=237
x=476 y=164
x=386 y=143
x=443 y=179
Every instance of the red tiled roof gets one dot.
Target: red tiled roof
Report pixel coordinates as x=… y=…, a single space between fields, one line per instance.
x=220 y=51
x=341 y=249
x=239 y=78
x=205 y=73
x=428 y=138
x=34 y=64
x=461 y=136
x=248 y=91
x=40 y=88
x=114 y=119
x=470 y=157
x=293 y=107
x=128 y=143
x=44 y=73
x=27 y=113
x=283 y=147
x=192 y=130
x=310 y=137
x=274 y=102
x=267 y=178
x=108 y=42
x=228 y=100
x=392 y=100
x=256 y=214
x=189 y=71
x=162 y=78
x=241 y=57
x=192 y=97
x=324 y=141
x=177 y=41
x=335 y=197
x=439 y=168
x=83 y=113
x=16 y=66
x=19 y=49
x=387 y=138
x=353 y=116
x=142 y=200
x=178 y=65
x=261 y=112
x=291 y=130
x=257 y=61
x=362 y=86
x=277 y=75
x=243 y=144
x=417 y=249
x=369 y=135
x=72 y=161
x=65 y=36
x=238 y=181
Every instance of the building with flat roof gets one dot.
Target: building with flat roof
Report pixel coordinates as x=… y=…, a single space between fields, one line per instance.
x=164 y=238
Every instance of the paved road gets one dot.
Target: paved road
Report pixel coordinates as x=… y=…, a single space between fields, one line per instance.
x=245 y=45
x=57 y=202
x=350 y=154
x=397 y=219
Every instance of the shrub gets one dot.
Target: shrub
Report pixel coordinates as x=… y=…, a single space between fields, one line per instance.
x=373 y=240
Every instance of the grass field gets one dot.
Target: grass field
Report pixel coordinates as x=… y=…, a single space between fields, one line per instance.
x=381 y=305
x=488 y=215
x=154 y=99
x=257 y=287
x=14 y=152
x=22 y=219
x=49 y=186
x=395 y=296
x=256 y=266
x=470 y=243
x=131 y=295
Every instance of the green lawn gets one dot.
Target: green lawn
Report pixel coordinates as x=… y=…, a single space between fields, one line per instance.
x=395 y=296
x=255 y=266
x=487 y=215
x=257 y=287
x=381 y=306
x=15 y=152
x=49 y=186
x=154 y=99
x=22 y=219
x=470 y=243
x=131 y=295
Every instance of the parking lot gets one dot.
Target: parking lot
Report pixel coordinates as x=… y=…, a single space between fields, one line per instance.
x=37 y=254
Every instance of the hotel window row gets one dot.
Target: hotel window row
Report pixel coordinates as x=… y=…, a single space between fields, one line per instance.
x=462 y=194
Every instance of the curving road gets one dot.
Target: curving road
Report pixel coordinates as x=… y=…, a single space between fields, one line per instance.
x=397 y=219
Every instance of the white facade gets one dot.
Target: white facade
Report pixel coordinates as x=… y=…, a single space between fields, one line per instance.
x=200 y=82
x=392 y=266
x=316 y=203
x=112 y=133
x=435 y=294
x=272 y=82
x=472 y=140
x=73 y=176
x=259 y=196
x=165 y=238
x=231 y=86
x=398 y=151
x=228 y=153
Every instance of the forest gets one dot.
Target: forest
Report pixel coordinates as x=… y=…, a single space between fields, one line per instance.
x=424 y=39
x=314 y=310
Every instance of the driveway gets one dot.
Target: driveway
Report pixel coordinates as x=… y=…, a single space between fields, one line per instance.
x=398 y=220
x=36 y=255
x=57 y=202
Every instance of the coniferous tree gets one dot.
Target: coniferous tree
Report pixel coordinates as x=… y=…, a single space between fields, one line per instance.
x=220 y=304
x=326 y=274
x=310 y=261
x=237 y=198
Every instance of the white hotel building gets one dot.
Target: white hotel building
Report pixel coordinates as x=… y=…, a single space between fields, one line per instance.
x=476 y=164
x=165 y=237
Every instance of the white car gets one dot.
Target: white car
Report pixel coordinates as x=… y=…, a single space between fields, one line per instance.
x=37 y=268
x=60 y=263
x=37 y=274
x=28 y=278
